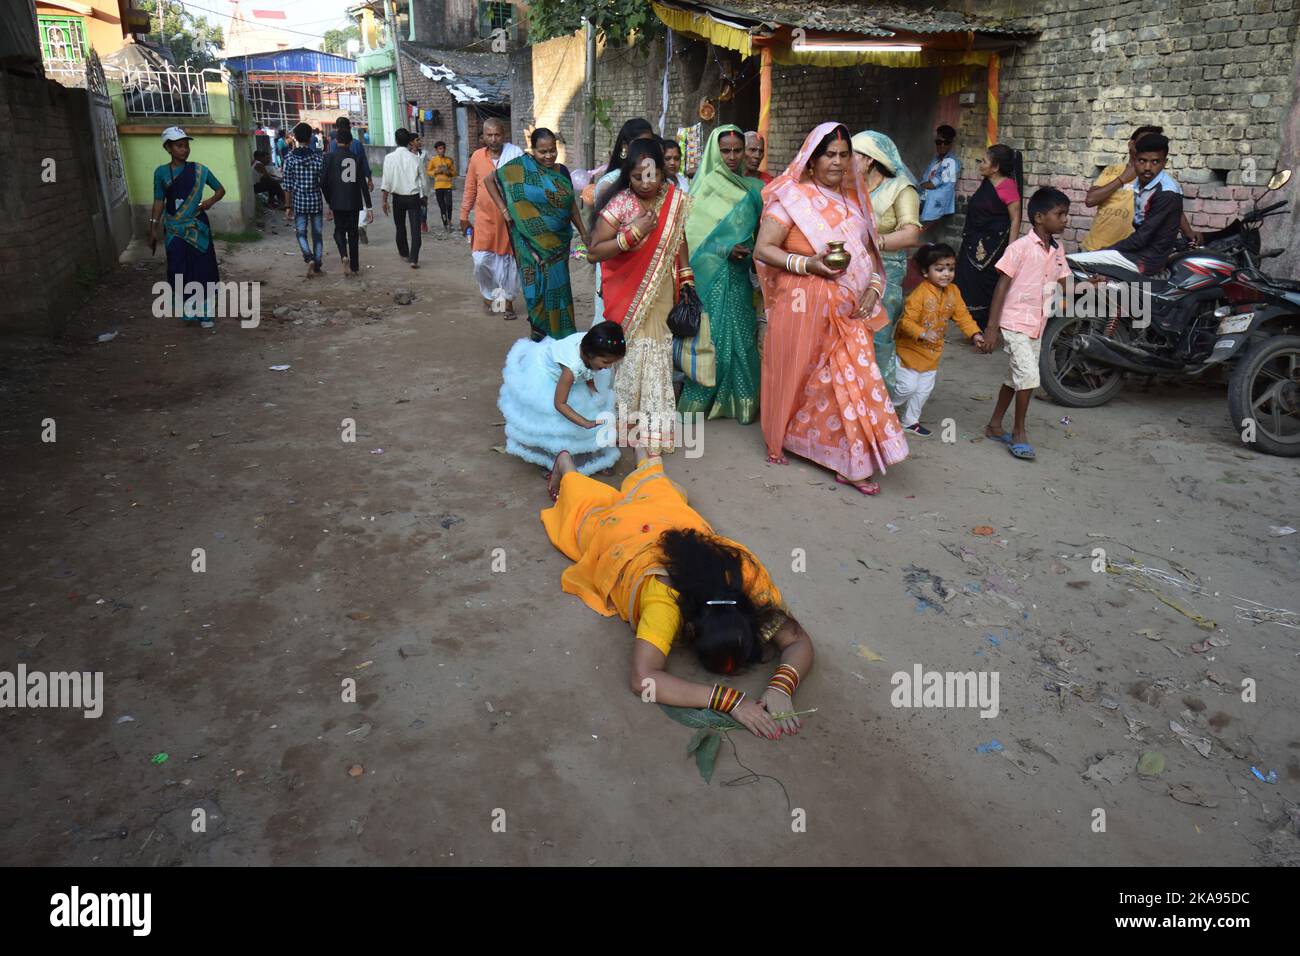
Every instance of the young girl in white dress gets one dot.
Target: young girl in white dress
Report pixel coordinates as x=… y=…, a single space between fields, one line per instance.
x=556 y=393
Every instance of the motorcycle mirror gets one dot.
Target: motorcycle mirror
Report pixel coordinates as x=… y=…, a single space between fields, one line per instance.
x=1280 y=179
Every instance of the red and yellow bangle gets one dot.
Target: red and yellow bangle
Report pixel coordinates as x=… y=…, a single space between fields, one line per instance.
x=628 y=237
x=725 y=699
x=786 y=680
x=685 y=274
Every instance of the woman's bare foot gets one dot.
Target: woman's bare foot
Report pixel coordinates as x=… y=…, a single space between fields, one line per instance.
x=864 y=487
x=777 y=460
x=563 y=465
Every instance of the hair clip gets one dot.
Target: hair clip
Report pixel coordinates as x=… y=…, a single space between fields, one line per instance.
x=719 y=602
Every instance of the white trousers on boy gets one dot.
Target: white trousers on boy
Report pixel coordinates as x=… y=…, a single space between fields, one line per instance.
x=911 y=390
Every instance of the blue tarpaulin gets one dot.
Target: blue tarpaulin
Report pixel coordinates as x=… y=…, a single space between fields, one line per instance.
x=301 y=60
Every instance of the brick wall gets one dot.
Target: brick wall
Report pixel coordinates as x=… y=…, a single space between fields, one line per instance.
x=1215 y=73
x=547 y=90
x=51 y=233
x=804 y=96
x=631 y=79
x=429 y=95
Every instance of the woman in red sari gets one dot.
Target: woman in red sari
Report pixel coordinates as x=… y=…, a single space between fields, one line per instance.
x=638 y=235
x=823 y=397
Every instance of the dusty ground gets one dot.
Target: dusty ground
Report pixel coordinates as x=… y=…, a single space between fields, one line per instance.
x=324 y=557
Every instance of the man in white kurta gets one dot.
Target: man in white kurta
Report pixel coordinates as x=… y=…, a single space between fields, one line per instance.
x=494 y=259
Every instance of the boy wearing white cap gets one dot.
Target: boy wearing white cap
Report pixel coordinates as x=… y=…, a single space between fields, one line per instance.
x=180 y=209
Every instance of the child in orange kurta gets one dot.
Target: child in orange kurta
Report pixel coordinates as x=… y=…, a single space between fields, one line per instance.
x=918 y=339
x=494 y=259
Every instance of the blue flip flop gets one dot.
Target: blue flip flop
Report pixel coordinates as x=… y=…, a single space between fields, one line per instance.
x=1005 y=438
x=1023 y=450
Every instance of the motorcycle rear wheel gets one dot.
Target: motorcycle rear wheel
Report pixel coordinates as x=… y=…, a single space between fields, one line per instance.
x=1265 y=389
x=1073 y=380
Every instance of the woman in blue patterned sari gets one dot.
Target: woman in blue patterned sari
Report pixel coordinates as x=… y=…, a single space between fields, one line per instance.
x=179 y=205
x=536 y=199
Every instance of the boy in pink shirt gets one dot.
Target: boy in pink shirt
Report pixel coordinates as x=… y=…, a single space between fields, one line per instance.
x=1031 y=268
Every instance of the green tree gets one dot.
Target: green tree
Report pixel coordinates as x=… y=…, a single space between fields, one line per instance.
x=336 y=41
x=190 y=39
x=615 y=20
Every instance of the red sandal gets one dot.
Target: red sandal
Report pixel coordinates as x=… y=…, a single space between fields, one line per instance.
x=857 y=486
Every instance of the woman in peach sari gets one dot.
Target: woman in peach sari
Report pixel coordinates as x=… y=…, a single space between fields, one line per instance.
x=823 y=397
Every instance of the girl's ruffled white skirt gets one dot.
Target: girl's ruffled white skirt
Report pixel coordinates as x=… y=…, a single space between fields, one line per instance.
x=535 y=431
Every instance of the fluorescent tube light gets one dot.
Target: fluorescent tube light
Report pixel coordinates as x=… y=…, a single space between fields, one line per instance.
x=803 y=46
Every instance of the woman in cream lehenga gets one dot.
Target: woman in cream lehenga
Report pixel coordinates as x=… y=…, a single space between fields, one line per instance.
x=638 y=237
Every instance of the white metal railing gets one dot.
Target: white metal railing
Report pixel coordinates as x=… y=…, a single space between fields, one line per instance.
x=180 y=91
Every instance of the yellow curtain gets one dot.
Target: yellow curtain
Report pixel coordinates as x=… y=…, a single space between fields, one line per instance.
x=953 y=79
x=718 y=34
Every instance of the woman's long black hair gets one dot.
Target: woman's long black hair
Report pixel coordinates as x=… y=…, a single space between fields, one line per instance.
x=1009 y=163
x=637 y=150
x=629 y=131
x=702 y=569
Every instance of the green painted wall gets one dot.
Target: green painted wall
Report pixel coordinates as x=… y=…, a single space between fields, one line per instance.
x=228 y=155
x=142 y=153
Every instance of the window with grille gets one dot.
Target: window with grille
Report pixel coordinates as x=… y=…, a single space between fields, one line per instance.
x=493 y=16
x=63 y=39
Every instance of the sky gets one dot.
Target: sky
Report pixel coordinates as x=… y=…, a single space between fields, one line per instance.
x=310 y=17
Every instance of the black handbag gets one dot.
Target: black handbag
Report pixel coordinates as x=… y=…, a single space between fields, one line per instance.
x=684 y=319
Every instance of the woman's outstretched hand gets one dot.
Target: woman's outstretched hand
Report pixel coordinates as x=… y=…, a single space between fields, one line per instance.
x=755 y=717
x=777 y=702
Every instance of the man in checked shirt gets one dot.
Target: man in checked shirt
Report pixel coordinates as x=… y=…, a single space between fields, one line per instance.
x=302 y=187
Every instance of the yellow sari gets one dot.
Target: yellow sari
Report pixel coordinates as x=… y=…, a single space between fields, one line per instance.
x=612 y=535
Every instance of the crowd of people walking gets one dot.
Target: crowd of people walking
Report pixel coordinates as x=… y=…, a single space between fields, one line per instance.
x=722 y=291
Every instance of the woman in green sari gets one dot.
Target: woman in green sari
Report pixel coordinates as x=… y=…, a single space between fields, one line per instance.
x=536 y=198
x=897 y=207
x=725 y=207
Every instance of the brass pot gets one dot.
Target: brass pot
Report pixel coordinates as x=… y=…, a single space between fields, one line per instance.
x=837 y=257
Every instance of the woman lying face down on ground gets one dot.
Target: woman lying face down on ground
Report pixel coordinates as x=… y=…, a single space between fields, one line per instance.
x=641 y=552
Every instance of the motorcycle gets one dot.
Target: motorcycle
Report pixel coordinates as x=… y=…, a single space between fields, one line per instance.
x=1201 y=311
x=1262 y=339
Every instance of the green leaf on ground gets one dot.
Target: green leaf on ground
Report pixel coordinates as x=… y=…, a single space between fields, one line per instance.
x=707 y=754
x=696 y=740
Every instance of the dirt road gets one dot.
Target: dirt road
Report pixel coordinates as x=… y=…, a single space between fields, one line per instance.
x=324 y=558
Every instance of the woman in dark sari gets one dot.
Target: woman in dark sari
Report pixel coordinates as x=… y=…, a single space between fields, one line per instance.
x=992 y=224
x=180 y=207
x=535 y=196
